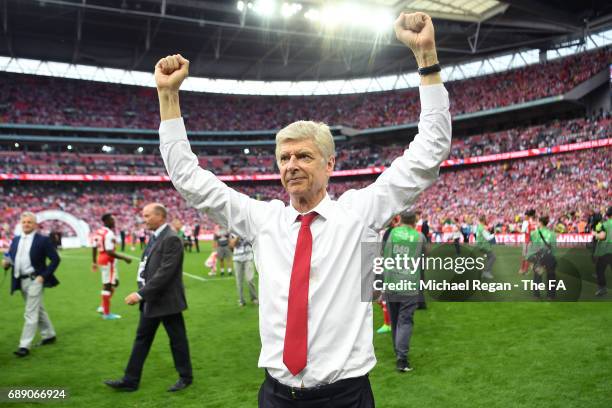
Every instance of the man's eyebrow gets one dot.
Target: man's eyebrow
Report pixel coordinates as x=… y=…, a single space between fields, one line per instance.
x=301 y=151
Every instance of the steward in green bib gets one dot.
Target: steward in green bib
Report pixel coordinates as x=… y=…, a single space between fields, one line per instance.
x=541 y=252
x=603 y=251
x=406 y=246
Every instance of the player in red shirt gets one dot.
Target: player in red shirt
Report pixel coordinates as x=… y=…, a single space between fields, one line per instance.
x=105 y=258
x=529 y=225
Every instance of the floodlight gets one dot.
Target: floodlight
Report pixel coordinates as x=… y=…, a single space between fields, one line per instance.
x=264 y=8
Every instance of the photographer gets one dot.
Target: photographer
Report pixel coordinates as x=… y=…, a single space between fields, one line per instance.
x=541 y=252
x=484 y=242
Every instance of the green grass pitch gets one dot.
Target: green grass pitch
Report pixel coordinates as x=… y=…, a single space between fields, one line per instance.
x=470 y=354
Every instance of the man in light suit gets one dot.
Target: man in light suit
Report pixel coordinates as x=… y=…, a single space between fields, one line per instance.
x=161 y=296
x=27 y=255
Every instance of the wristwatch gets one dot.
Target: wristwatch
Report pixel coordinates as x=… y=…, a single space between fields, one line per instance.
x=429 y=70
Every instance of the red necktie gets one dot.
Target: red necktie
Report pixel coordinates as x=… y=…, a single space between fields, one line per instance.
x=296 y=333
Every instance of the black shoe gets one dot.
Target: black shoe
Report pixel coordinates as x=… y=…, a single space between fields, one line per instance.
x=181 y=384
x=48 y=341
x=601 y=292
x=403 y=366
x=121 y=385
x=21 y=352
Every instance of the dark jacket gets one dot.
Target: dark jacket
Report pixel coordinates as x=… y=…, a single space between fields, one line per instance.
x=163 y=293
x=41 y=250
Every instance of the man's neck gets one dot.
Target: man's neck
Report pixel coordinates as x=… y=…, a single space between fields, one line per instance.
x=156 y=230
x=305 y=204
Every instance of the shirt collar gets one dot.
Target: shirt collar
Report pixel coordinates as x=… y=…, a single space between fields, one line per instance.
x=159 y=230
x=27 y=236
x=324 y=209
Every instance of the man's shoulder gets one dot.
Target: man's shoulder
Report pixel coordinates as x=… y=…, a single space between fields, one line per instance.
x=40 y=237
x=169 y=233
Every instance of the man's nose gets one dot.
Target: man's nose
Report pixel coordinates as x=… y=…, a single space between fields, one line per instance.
x=293 y=163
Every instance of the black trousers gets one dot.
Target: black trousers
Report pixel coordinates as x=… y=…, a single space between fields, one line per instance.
x=550 y=276
x=147 y=327
x=600 y=268
x=348 y=393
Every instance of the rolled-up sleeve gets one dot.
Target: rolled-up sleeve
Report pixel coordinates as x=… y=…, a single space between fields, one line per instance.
x=399 y=186
x=201 y=188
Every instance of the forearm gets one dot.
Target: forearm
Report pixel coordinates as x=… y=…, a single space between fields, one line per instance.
x=158 y=283
x=169 y=107
x=200 y=188
x=426 y=59
x=116 y=255
x=52 y=255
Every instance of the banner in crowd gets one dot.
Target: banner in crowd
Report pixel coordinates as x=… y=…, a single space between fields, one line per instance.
x=516 y=238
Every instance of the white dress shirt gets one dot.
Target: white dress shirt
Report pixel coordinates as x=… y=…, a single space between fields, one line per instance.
x=141 y=266
x=23 y=263
x=339 y=322
x=159 y=230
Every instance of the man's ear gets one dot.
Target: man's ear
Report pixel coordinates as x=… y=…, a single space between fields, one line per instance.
x=331 y=163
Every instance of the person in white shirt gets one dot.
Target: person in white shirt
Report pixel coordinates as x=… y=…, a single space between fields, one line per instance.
x=315 y=328
x=243 y=264
x=27 y=255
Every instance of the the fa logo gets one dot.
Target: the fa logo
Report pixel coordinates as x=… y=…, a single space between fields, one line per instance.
x=557 y=285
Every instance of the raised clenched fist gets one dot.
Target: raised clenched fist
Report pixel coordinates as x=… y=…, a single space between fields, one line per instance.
x=170 y=72
x=416 y=30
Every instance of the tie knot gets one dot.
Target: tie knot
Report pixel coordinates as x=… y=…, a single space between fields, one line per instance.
x=307 y=219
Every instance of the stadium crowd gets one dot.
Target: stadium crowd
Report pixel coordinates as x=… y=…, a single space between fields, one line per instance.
x=350 y=156
x=55 y=101
x=567 y=186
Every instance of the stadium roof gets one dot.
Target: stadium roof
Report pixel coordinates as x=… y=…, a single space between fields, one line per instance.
x=300 y=40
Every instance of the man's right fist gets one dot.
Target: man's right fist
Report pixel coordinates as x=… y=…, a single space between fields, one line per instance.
x=170 y=72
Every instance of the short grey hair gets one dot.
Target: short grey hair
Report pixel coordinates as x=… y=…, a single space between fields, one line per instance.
x=303 y=130
x=28 y=214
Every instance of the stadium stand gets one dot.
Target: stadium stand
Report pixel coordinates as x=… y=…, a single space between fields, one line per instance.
x=51 y=101
x=568 y=186
x=356 y=156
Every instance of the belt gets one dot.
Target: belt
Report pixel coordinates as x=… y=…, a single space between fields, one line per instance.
x=31 y=276
x=320 y=391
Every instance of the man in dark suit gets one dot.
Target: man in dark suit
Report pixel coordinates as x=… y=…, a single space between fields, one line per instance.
x=162 y=300
x=27 y=255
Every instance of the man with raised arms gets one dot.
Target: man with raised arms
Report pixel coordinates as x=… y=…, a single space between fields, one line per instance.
x=316 y=332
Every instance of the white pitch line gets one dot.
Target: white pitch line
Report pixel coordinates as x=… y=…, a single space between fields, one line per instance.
x=189 y=274
x=184 y=273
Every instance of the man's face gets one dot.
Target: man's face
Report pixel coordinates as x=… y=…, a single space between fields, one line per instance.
x=28 y=224
x=303 y=170
x=153 y=219
x=110 y=223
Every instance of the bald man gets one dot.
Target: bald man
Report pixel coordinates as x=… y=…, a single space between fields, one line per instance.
x=161 y=297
